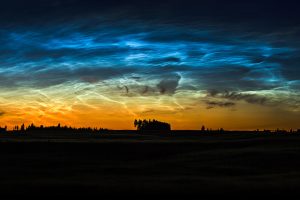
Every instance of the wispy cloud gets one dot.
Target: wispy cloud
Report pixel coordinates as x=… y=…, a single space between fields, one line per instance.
x=169 y=84
x=213 y=104
x=236 y=96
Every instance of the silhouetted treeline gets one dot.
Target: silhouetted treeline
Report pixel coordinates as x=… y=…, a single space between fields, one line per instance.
x=52 y=129
x=203 y=130
x=141 y=125
x=151 y=125
x=265 y=131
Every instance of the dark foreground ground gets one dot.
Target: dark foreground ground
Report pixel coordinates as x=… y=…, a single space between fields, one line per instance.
x=125 y=164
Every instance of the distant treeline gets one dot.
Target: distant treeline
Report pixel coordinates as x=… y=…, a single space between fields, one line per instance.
x=50 y=129
x=266 y=131
x=141 y=125
x=151 y=125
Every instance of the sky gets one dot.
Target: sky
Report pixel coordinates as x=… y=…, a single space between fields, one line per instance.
x=231 y=64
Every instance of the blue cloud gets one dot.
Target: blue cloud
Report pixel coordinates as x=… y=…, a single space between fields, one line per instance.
x=207 y=58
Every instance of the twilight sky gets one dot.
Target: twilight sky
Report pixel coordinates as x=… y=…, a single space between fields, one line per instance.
x=231 y=64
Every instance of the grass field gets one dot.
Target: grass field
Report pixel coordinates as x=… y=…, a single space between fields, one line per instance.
x=123 y=163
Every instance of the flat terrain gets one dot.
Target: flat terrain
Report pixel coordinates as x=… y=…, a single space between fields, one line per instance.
x=124 y=163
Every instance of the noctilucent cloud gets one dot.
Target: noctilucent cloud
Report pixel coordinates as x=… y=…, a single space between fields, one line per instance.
x=102 y=64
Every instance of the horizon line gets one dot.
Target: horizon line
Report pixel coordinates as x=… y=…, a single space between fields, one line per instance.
x=12 y=128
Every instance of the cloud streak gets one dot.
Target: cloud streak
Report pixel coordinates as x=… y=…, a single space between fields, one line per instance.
x=235 y=96
x=213 y=104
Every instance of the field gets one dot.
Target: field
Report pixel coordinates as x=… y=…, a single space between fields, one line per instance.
x=130 y=164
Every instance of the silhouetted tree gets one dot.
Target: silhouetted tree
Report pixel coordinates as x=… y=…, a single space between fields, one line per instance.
x=203 y=128
x=151 y=125
x=22 y=128
x=138 y=124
